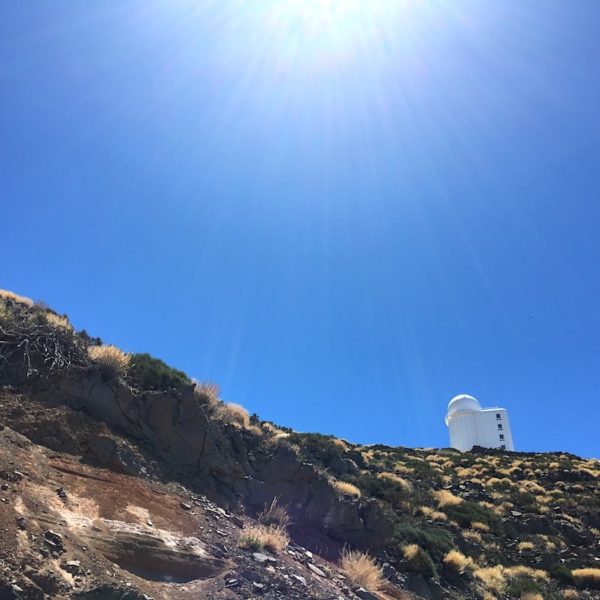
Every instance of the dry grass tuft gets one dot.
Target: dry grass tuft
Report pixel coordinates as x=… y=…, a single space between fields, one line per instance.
x=525 y=546
x=570 y=594
x=208 y=392
x=112 y=360
x=531 y=596
x=589 y=577
x=273 y=432
x=57 y=321
x=479 y=526
x=472 y=536
x=234 y=414
x=345 y=488
x=275 y=514
x=446 y=498
x=419 y=560
x=403 y=483
x=434 y=515
x=8 y=295
x=524 y=571
x=264 y=537
x=457 y=562
x=493 y=578
x=361 y=570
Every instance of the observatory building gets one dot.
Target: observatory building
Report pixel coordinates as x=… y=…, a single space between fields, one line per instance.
x=470 y=425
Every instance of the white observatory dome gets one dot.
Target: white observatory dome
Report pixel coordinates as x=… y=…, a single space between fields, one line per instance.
x=463 y=402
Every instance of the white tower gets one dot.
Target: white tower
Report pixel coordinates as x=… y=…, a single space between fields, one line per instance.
x=470 y=425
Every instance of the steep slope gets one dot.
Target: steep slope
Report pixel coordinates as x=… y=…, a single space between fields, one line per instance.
x=122 y=478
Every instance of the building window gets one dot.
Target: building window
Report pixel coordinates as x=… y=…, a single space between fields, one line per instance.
x=499 y=426
x=501 y=437
x=498 y=416
x=503 y=447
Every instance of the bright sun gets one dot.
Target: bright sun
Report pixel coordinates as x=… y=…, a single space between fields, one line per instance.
x=331 y=27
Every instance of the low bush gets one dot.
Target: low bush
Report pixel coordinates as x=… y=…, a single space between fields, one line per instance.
x=467 y=513
x=446 y=498
x=457 y=563
x=112 y=361
x=323 y=448
x=207 y=392
x=361 y=570
x=434 y=515
x=345 y=488
x=149 y=373
x=437 y=541
x=562 y=574
x=8 y=295
x=525 y=546
x=264 y=537
x=388 y=487
x=587 y=578
x=234 y=414
x=419 y=560
x=274 y=514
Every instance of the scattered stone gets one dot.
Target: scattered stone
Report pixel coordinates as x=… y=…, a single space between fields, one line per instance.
x=316 y=570
x=299 y=578
x=54 y=540
x=261 y=558
x=61 y=493
x=21 y=523
x=72 y=566
x=365 y=594
x=185 y=506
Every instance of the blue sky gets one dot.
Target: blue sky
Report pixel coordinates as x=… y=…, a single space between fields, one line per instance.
x=344 y=212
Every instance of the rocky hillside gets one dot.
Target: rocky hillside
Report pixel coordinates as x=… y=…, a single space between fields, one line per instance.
x=121 y=478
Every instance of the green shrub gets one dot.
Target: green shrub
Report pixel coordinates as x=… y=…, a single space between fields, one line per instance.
x=316 y=446
x=562 y=574
x=521 y=586
x=418 y=560
x=149 y=373
x=469 y=512
x=382 y=488
x=435 y=540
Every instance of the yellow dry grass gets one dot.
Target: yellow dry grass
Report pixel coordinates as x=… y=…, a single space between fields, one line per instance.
x=57 y=321
x=234 y=414
x=274 y=514
x=434 y=515
x=345 y=488
x=446 y=498
x=479 y=526
x=457 y=562
x=340 y=444
x=361 y=570
x=531 y=596
x=403 y=483
x=524 y=571
x=8 y=295
x=111 y=358
x=472 y=536
x=270 y=537
x=208 y=392
x=525 y=546
x=493 y=578
x=588 y=577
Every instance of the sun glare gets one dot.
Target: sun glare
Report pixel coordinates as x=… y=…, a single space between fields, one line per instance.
x=331 y=26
